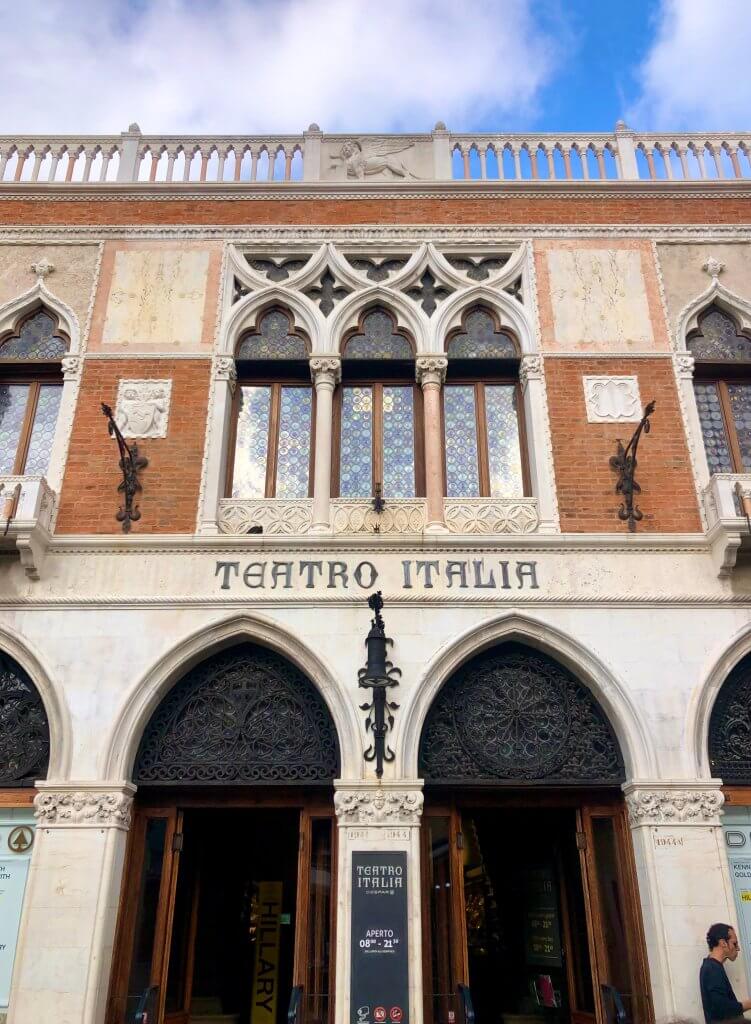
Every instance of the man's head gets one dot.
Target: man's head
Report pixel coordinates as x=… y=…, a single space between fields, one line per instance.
x=723 y=942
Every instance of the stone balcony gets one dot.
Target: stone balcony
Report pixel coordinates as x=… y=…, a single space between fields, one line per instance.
x=27 y=504
x=727 y=506
x=540 y=159
x=406 y=516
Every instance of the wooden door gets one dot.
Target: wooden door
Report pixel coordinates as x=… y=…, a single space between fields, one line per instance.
x=619 y=972
x=142 y=951
x=315 y=935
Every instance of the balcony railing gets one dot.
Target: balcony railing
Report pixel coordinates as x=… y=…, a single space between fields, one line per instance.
x=132 y=158
x=27 y=505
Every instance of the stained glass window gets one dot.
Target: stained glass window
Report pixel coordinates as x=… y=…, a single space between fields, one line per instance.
x=479 y=339
x=378 y=429
x=716 y=443
x=37 y=338
x=273 y=339
x=378 y=339
x=718 y=338
x=398 y=442
x=273 y=428
x=28 y=416
x=462 y=470
x=482 y=442
x=356 y=450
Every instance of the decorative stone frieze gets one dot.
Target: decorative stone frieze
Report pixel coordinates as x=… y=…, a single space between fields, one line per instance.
x=356 y=515
x=491 y=515
x=696 y=806
x=274 y=516
x=142 y=408
x=85 y=808
x=379 y=806
x=612 y=399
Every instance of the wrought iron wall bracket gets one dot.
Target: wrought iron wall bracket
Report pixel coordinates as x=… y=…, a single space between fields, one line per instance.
x=379 y=675
x=624 y=464
x=131 y=463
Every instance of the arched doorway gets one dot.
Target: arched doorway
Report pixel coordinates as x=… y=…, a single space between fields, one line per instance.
x=528 y=871
x=227 y=912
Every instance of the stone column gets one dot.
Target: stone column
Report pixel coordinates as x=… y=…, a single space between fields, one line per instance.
x=223 y=383
x=431 y=373
x=684 y=885
x=325 y=372
x=62 y=966
x=379 y=817
x=539 y=447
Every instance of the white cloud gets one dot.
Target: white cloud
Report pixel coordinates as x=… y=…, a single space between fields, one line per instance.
x=218 y=66
x=696 y=74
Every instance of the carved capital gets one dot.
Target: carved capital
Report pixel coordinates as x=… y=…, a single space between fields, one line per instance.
x=326 y=370
x=431 y=369
x=225 y=369
x=530 y=368
x=647 y=806
x=380 y=806
x=71 y=366
x=83 y=809
x=684 y=365
x=42 y=268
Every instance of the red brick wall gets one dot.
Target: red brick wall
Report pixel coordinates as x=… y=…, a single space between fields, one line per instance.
x=171 y=482
x=587 y=501
x=483 y=209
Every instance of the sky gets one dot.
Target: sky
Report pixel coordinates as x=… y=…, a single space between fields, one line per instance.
x=258 y=66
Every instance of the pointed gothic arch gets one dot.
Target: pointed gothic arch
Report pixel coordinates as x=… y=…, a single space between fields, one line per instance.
x=24 y=727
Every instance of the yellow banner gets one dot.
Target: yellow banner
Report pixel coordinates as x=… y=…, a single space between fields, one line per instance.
x=266 y=967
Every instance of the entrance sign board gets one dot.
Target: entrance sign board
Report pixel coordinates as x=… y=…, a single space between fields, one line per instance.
x=16 y=828
x=380 y=979
x=542 y=937
x=737 y=830
x=266 y=967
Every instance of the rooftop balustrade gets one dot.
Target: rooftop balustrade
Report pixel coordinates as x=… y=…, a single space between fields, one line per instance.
x=132 y=158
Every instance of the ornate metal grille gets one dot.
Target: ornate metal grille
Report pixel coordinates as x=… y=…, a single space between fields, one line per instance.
x=243 y=716
x=730 y=727
x=24 y=730
x=513 y=715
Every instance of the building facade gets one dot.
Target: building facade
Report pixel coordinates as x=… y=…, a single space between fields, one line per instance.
x=248 y=385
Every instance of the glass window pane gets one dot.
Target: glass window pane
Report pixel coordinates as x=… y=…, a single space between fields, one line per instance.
x=43 y=429
x=462 y=477
x=480 y=339
x=355 y=472
x=35 y=340
x=274 y=340
x=251 y=445
x=293 y=455
x=378 y=339
x=504 y=450
x=13 y=399
x=398 y=443
x=740 y=403
x=713 y=428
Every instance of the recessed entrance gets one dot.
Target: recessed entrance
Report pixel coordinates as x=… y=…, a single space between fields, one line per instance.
x=226 y=912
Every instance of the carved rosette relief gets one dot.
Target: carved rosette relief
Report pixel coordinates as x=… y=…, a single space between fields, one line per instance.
x=142 y=408
x=378 y=807
x=674 y=806
x=278 y=517
x=491 y=515
x=612 y=399
x=87 y=808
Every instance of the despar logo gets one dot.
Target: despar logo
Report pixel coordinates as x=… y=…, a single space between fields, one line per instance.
x=379 y=1014
x=395 y=1014
x=363 y=1015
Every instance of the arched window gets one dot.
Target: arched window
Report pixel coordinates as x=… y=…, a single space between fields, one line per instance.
x=378 y=430
x=722 y=384
x=30 y=392
x=730 y=728
x=482 y=420
x=274 y=408
x=24 y=729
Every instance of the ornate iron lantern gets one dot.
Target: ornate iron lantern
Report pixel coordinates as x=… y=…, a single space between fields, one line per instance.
x=379 y=675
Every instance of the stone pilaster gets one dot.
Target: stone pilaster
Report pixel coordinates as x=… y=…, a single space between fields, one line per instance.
x=684 y=884
x=223 y=384
x=64 y=954
x=431 y=373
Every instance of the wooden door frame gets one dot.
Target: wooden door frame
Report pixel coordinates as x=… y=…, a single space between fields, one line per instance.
x=446 y=803
x=172 y=804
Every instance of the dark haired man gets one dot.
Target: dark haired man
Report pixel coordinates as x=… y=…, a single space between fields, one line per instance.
x=717 y=996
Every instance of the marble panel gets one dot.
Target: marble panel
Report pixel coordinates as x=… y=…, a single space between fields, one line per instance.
x=72 y=280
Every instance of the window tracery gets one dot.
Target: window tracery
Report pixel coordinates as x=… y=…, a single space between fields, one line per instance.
x=24 y=729
x=730 y=728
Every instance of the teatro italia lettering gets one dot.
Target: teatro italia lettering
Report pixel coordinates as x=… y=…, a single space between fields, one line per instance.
x=477 y=574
